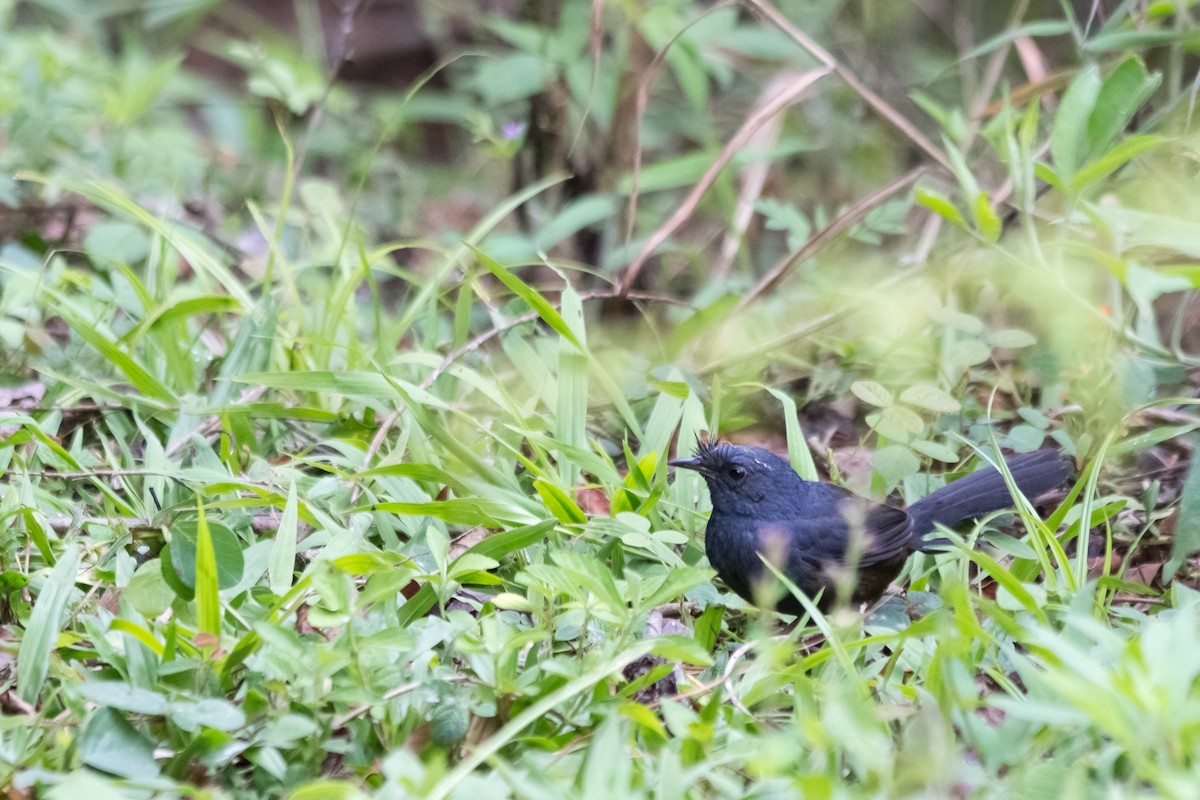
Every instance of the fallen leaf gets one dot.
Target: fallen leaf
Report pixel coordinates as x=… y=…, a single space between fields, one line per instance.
x=593 y=501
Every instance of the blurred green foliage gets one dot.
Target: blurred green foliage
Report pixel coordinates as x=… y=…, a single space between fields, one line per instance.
x=334 y=459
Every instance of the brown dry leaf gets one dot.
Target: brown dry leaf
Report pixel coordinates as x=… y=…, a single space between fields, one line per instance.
x=593 y=501
x=419 y=737
x=466 y=540
x=303 y=626
x=22 y=397
x=992 y=716
x=855 y=465
x=110 y=601
x=662 y=621
x=1096 y=565
x=1145 y=574
x=205 y=640
x=13 y=793
x=10 y=703
x=58 y=330
x=480 y=729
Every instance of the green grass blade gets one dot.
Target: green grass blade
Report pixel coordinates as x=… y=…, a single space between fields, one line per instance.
x=208 y=602
x=535 y=301
x=282 y=566
x=45 y=623
x=532 y=713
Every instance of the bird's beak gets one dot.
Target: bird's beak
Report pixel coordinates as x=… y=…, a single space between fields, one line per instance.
x=687 y=463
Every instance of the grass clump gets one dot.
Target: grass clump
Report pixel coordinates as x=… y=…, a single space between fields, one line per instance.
x=335 y=420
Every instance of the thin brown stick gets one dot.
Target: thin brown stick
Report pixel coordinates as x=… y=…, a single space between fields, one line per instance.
x=801 y=84
x=642 y=99
x=992 y=74
x=753 y=179
x=898 y=120
x=339 y=722
x=63 y=523
x=483 y=338
x=852 y=216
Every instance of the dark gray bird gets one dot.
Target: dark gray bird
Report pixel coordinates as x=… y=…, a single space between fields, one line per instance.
x=815 y=533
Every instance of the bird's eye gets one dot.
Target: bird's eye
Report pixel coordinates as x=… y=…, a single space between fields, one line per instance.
x=737 y=473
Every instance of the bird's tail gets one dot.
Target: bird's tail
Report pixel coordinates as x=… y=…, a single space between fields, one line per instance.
x=985 y=491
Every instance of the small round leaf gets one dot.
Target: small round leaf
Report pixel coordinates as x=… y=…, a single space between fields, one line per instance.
x=872 y=393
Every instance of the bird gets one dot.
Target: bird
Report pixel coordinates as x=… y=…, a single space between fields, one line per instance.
x=831 y=543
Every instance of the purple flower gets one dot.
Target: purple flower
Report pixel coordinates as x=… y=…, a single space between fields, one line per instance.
x=512 y=130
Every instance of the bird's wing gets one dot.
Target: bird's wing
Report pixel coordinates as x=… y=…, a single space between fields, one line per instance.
x=886 y=532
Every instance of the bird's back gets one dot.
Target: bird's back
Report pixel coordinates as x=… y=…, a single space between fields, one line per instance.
x=813 y=536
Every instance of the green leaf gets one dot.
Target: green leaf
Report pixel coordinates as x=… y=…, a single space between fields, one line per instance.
x=958 y=320
x=1032 y=30
x=935 y=450
x=281 y=568
x=116 y=240
x=110 y=744
x=499 y=545
x=1024 y=438
x=496 y=547
x=939 y=204
x=457 y=511
x=138 y=632
x=230 y=561
x=968 y=353
x=781 y=216
x=448 y=724
x=45 y=623
x=574 y=217
x=208 y=601
x=931 y=398
x=1187 y=525
x=570 y=419
x=643 y=716
x=347 y=382
x=799 y=456
x=123 y=697
x=142 y=380
x=148 y=591
x=1119 y=98
x=1006 y=579
x=904 y=419
x=708 y=627
x=681 y=648
x=895 y=463
x=185 y=309
x=1011 y=339
x=1115 y=158
x=209 y=712
x=675 y=584
x=986 y=221
x=1069 y=135
x=559 y=503
x=327 y=790
x=532 y=299
x=872 y=393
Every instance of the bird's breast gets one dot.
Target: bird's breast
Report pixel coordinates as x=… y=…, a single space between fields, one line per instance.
x=737 y=546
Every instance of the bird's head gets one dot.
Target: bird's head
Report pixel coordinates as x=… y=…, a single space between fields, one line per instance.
x=742 y=479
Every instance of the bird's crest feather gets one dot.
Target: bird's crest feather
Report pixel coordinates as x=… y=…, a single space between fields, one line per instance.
x=712 y=451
